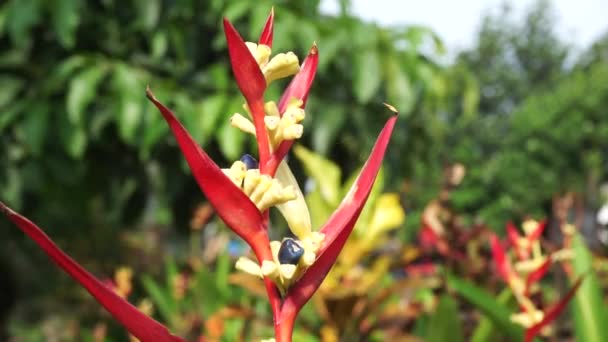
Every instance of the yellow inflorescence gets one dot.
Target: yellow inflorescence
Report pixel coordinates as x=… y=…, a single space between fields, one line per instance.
x=280 y=66
x=527 y=319
x=283 y=275
x=263 y=190
x=279 y=128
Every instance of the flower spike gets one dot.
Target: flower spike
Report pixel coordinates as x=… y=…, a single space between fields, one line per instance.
x=267 y=32
x=553 y=312
x=139 y=325
x=340 y=224
x=230 y=203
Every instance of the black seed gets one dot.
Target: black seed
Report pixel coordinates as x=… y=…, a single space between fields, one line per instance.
x=249 y=161
x=290 y=252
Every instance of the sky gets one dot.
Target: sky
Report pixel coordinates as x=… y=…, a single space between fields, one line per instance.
x=580 y=21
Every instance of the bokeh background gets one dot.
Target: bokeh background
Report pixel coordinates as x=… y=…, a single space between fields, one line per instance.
x=520 y=103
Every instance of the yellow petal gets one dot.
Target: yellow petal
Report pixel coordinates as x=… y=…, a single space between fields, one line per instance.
x=295 y=211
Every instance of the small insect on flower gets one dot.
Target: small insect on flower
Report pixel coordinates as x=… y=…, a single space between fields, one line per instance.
x=290 y=252
x=250 y=162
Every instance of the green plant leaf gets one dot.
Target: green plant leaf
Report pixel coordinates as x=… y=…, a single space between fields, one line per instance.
x=35 y=127
x=445 y=324
x=65 y=20
x=486 y=329
x=588 y=306
x=398 y=87
x=10 y=88
x=130 y=102
x=324 y=172
x=488 y=305
x=82 y=91
x=22 y=16
x=367 y=74
x=162 y=298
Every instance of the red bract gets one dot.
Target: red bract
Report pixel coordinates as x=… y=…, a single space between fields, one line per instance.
x=230 y=203
x=299 y=89
x=536 y=275
x=252 y=84
x=552 y=312
x=503 y=266
x=139 y=325
x=514 y=239
x=340 y=225
x=267 y=32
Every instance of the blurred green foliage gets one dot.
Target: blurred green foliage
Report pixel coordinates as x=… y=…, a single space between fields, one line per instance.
x=86 y=156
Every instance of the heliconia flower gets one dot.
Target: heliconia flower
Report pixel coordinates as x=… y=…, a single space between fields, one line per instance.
x=531 y=317
x=241 y=194
x=528 y=243
x=551 y=314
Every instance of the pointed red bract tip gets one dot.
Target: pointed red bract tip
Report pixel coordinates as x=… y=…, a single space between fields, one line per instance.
x=230 y=203
x=536 y=234
x=537 y=274
x=503 y=266
x=267 y=32
x=299 y=87
x=137 y=323
x=340 y=224
x=553 y=312
x=513 y=236
x=246 y=70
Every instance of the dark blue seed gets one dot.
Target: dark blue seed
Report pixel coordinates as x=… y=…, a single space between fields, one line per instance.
x=249 y=162
x=290 y=252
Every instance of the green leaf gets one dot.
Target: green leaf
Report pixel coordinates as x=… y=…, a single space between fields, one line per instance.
x=205 y=117
x=588 y=306
x=326 y=174
x=367 y=74
x=75 y=141
x=60 y=74
x=72 y=136
x=327 y=126
x=10 y=88
x=486 y=329
x=22 y=16
x=82 y=91
x=237 y=9
x=148 y=13
x=129 y=91
x=488 y=305
x=231 y=140
x=162 y=298
x=65 y=19
x=35 y=127
x=445 y=324
x=398 y=87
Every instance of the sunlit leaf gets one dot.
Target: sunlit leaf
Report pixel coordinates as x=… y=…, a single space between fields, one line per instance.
x=588 y=306
x=65 y=20
x=445 y=324
x=367 y=74
x=488 y=305
x=82 y=91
